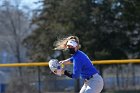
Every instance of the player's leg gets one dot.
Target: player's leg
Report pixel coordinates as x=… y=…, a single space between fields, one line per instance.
x=95 y=85
x=83 y=88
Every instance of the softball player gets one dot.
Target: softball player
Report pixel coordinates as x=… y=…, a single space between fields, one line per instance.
x=82 y=66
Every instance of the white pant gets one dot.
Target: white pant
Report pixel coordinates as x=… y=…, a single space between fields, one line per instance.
x=94 y=85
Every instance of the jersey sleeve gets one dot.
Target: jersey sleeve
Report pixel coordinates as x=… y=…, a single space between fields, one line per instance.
x=71 y=59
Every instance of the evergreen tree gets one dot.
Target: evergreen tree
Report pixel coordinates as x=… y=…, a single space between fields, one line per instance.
x=105 y=27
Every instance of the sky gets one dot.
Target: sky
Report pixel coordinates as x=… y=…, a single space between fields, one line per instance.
x=30 y=3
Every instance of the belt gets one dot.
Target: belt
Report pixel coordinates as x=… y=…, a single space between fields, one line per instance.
x=88 y=78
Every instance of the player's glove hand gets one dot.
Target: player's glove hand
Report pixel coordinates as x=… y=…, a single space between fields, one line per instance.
x=56 y=67
x=59 y=72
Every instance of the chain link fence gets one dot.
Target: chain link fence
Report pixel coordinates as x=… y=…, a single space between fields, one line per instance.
x=39 y=79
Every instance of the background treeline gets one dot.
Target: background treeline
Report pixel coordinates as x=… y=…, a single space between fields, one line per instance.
x=108 y=29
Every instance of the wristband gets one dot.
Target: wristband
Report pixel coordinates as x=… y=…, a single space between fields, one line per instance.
x=67 y=73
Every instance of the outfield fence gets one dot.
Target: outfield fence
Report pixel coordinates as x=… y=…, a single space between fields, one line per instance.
x=94 y=62
x=36 y=77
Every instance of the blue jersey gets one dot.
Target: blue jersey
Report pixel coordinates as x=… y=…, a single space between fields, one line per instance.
x=82 y=65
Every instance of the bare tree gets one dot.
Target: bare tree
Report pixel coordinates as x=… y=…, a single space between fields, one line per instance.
x=14 y=27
